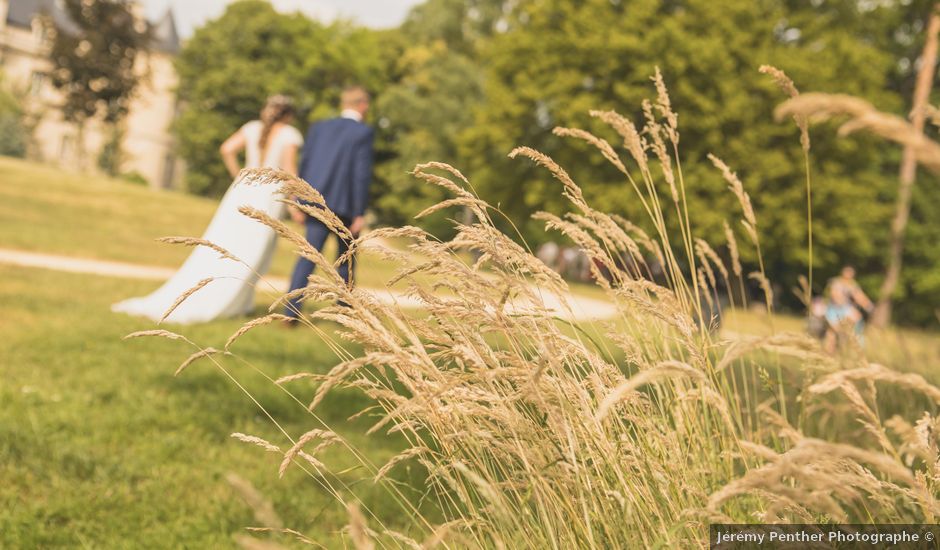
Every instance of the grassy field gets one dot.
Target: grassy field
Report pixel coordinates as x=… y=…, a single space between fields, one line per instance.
x=47 y=210
x=905 y=349
x=102 y=447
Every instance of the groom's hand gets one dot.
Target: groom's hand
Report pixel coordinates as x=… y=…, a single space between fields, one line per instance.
x=297 y=214
x=357 y=225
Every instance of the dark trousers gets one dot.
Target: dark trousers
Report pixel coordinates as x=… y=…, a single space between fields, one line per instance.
x=317 y=234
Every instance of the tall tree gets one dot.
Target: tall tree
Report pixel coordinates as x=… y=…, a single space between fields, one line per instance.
x=463 y=25
x=557 y=59
x=93 y=55
x=438 y=86
x=14 y=135
x=423 y=115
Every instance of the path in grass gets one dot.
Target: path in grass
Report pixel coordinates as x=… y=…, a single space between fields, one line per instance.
x=581 y=308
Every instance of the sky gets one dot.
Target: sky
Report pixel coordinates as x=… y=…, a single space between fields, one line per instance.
x=190 y=14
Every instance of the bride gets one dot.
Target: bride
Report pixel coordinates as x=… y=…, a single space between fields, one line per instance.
x=270 y=143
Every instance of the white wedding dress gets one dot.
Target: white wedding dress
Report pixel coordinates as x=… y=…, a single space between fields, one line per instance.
x=232 y=290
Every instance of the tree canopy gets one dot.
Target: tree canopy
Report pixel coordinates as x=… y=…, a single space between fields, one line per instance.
x=13 y=132
x=93 y=56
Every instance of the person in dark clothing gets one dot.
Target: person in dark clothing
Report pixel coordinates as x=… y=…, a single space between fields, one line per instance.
x=337 y=162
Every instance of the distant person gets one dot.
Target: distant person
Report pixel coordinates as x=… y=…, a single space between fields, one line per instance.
x=337 y=162
x=270 y=142
x=845 y=298
x=549 y=253
x=568 y=260
x=816 y=324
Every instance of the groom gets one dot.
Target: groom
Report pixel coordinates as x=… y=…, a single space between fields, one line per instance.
x=337 y=162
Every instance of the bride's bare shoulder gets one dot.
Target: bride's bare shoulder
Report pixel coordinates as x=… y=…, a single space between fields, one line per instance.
x=292 y=135
x=252 y=127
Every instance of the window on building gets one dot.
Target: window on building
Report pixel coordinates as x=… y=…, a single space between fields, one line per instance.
x=36 y=81
x=169 y=170
x=40 y=32
x=65 y=148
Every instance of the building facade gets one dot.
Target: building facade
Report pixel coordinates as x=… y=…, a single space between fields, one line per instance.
x=146 y=143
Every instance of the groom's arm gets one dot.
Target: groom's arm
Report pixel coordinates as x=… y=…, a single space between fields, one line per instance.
x=362 y=173
x=295 y=213
x=305 y=152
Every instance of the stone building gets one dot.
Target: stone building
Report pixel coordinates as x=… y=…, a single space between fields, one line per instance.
x=147 y=144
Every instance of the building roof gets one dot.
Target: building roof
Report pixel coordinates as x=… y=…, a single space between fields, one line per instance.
x=165 y=37
x=22 y=13
x=164 y=34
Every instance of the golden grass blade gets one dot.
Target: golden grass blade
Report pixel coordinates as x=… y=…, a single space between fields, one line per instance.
x=194 y=357
x=261 y=507
x=192 y=241
x=395 y=460
x=292 y=377
x=160 y=333
x=254 y=323
x=182 y=297
x=664 y=370
x=326 y=437
x=256 y=441
x=786 y=84
x=863 y=116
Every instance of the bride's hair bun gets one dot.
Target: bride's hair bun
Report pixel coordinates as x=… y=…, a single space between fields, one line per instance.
x=280 y=101
x=276 y=109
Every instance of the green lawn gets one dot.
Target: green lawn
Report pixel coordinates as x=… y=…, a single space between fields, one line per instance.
x=48 y=210
x=43 y=209
x=100 y=445
x=907 y=350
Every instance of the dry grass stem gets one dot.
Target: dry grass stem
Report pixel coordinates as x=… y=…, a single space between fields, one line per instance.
x=182 y=297
x=192 y=241
x=260 y=506
x=194 y=357
x=254 y=323
x=160 y=333
x=784 y=83
x=256 y=441
x=863 y=116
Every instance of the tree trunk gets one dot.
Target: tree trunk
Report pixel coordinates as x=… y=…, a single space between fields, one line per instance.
x=80 y=146
x=882 y=314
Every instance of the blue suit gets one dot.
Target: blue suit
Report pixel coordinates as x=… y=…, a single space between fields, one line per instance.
x=337 y=162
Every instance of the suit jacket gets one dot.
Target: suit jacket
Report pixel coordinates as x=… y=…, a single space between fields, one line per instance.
x=337 y=162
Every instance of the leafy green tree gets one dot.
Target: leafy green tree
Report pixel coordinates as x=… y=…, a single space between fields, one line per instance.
x=438 y=85
x=463 y=25
x=560 y=58
x=111 y=156
x=918 y=298
x=898 y=28
x=423 y=115
x=232 y=64
x=14 y=134
x=93 y=57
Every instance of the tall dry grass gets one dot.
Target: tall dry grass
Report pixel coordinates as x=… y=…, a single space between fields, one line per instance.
x=536 y=432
